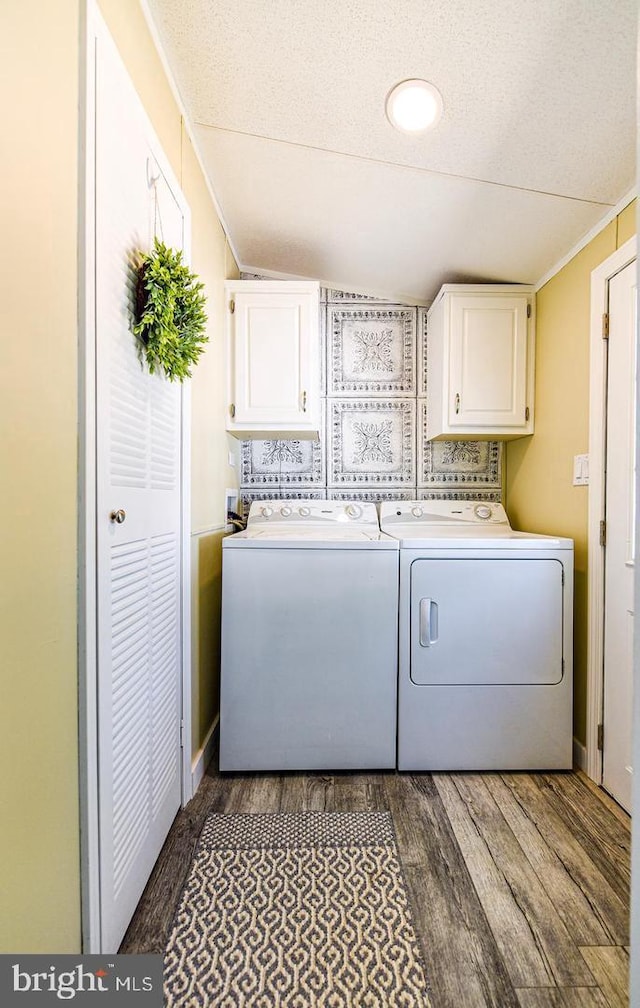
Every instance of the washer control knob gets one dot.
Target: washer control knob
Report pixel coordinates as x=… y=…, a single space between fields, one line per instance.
x=304 y=511
x=417 y=512
x=353 y=510
x=285 y=511
x=266 y=512
x=482 y=511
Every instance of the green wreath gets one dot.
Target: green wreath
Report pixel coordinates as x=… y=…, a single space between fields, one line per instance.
x=170 y=316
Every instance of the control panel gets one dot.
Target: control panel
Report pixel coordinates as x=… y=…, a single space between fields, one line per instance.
x=321 y=512
x=442 y=512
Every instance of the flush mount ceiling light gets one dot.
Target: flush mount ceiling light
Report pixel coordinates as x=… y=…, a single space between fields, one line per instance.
x=414 y=106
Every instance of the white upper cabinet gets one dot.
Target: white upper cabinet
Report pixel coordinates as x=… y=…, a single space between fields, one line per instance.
x=273 y=355
x=480 y=356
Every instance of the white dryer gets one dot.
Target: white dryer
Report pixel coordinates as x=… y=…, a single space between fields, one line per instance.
x=309 y=639
x=485 y=639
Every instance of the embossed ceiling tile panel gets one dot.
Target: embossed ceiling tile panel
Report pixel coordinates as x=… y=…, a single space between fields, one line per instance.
x=283 y=463
x=373 y=495
x=494 y=496
x=371 y=442
x=323 y=349
x=340 y=297
x=257 y=465
x=456 y=463
x=421 y=367
x=371 y=351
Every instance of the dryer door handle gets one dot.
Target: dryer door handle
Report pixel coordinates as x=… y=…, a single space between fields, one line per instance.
x=428 y=622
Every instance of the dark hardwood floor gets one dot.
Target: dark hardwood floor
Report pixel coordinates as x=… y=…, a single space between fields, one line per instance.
x=519 y=882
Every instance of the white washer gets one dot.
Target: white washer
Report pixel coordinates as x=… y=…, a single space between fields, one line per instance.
x=485 y=642
x=309 y=639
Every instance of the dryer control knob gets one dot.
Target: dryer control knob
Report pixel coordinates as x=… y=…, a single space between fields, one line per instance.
x=304 y=511
x=285 y=511
x=482 y=511
x=353 y=510
x=417 y=512
x=266 y=512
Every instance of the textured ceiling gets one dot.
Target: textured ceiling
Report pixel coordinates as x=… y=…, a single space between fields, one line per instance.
x=536 y=143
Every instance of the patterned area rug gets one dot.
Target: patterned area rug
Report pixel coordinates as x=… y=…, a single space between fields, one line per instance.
x=304 y=910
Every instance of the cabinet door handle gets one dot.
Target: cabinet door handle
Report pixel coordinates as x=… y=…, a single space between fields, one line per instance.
x=457 y=402
x=304 y=402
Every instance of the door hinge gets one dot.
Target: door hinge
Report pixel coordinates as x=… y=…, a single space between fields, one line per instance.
x=600 y=742
x=603 y=533
x=526 y=413
x=181 y=734
x=605 y=326
x=528 y=311
x=232 y=306
x=232 y=409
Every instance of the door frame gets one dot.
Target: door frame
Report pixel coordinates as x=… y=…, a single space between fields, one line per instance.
x=95 y=32
x=600 y=278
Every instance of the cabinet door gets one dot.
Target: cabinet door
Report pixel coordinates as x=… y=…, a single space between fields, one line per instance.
x=274 y=375
x=488 y=362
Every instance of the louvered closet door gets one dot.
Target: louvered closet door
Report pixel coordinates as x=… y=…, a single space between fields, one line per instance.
x=139 y=561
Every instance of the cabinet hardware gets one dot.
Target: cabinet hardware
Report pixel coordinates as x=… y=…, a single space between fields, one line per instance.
x=232 y=306
x=304 y=401
x=528 y=311
x=526 y=413
x=457 y=402
x=232 y=409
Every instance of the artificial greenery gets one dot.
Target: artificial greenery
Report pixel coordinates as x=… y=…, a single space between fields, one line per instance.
x=170 y=312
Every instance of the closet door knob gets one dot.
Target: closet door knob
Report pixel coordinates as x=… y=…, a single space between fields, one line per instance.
x=118 y=516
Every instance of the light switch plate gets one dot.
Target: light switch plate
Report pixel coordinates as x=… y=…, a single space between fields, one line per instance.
x=580 y=470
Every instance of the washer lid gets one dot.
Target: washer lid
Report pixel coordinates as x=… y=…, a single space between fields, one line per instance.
x=310 y=538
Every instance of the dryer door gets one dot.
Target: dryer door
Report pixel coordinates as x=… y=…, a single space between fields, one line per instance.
x=486 y=621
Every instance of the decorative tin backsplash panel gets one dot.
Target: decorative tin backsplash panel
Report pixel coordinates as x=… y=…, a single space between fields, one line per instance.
x=421 y=366
x=484 y=495
x=371 y=351
x=371 y=442
x=342 y=296
x=457 y=463
x=283 y=463
x=373 y=445
x=372 y=495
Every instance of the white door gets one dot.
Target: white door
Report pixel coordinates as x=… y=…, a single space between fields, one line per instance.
x=619 y=554
x=138 y=441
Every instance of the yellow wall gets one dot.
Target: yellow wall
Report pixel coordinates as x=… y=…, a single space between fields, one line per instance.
x=39 y=838
x=539 y=491
x=39 y=875
x=210 y=445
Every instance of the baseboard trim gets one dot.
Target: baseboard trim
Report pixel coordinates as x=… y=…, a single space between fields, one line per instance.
x=579 y=755
x=202 y=758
